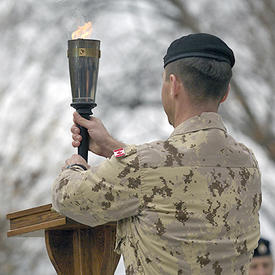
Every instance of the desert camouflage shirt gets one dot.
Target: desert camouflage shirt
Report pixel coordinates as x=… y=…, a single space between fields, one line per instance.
x=186 y=205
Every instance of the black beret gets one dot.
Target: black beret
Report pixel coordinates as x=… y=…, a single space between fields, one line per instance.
x=199 y=45
x=263 y=248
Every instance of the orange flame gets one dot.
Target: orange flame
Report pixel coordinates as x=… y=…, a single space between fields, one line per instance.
x=84 y=31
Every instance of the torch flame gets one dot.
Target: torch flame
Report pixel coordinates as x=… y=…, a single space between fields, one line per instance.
x=84 y=31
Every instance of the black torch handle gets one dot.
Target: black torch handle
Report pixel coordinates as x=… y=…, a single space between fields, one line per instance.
x=84 y=144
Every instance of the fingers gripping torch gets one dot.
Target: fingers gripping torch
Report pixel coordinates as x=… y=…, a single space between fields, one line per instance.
x=83 y=57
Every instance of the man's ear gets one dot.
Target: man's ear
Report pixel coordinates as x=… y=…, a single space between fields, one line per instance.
x=226 y=94
x=174 y=85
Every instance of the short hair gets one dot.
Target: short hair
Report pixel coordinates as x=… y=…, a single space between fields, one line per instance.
x=203 y=78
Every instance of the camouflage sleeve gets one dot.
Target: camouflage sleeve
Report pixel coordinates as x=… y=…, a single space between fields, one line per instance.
x=108 y=192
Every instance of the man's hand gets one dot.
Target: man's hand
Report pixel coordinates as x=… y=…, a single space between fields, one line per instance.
x=75 y=159
x=101 y=142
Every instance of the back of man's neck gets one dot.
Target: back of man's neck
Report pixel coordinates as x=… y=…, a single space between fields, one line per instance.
x=180 y=118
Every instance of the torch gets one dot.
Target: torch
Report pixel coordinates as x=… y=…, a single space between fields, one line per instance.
x=83 y=57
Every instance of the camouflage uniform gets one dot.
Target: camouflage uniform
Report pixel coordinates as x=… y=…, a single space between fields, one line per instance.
x=187 y=205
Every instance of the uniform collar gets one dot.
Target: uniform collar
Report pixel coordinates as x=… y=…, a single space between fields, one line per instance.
x=207 y=120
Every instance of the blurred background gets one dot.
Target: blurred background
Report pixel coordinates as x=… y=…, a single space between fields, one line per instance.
x=35 y=93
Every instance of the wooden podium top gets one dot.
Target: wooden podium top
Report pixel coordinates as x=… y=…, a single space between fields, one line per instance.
x=73 y=248
x=32 y=222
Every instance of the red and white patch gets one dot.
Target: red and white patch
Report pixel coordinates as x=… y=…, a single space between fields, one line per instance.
x=119 y=152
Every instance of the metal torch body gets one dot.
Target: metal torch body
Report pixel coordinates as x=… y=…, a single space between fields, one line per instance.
x=83 y=57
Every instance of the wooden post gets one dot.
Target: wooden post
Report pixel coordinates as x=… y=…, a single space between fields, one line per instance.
x=73 y=248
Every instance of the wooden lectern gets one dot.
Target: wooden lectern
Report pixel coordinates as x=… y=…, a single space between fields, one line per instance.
x=73 y=248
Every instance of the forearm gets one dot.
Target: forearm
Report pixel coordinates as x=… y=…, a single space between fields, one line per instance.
x=111 y=145
x=101 y=142
x=71 y=198
x=99 y=195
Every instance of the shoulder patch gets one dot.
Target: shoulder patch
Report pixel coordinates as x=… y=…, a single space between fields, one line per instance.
x=119 y=153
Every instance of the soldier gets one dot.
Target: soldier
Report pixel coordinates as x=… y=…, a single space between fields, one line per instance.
x=185 y=205
x=262 y=262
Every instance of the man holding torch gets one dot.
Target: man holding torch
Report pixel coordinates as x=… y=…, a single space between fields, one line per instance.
x=185 y=205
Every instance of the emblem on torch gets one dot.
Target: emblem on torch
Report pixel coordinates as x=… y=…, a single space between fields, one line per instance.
x=83 y=57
